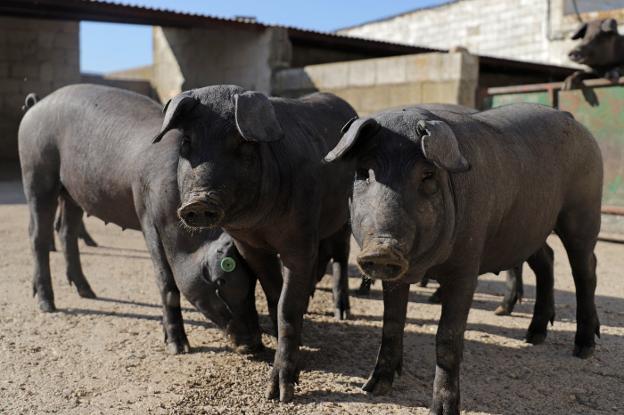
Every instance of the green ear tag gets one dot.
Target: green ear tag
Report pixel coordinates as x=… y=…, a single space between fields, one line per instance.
x=228 y=264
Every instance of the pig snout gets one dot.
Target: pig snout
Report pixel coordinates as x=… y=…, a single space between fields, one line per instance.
x=382 y=261
x=202 y=210
x=247 y=343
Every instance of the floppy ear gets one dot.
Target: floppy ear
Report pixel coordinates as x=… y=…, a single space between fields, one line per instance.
x=352 y=130
x=439 y=145
x=255 y=117
x=173 y=110
x=609 y=26
x=580 y=32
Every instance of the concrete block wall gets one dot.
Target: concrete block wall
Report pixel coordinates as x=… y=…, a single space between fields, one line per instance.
x=35 y=56
x=191 y=58
x=529 y=30
x=371 y=85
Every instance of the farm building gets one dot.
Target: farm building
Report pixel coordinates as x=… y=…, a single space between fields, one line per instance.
x=40 y=53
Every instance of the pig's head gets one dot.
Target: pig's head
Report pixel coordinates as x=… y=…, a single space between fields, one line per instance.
x=402 y=211
x=598 y=47
x=220 y=285
x=224 y=131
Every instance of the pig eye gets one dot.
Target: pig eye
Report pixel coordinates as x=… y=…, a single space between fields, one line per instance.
x=185 y=148
x=429 y=185
x=428 y=174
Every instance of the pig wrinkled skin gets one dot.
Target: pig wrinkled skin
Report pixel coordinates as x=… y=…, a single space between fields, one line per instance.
x=451 y=195
x=601 y=48
x=91 y=148
x=252 y=165
x=514 y=287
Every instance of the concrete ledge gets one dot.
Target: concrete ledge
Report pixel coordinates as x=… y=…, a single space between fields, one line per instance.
x=374 y=84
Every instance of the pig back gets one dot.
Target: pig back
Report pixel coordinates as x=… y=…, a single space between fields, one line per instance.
x=528 y=163
x=103 y=136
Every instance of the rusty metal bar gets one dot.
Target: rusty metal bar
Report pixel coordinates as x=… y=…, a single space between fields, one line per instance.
x=555 y=86
x=613 y=210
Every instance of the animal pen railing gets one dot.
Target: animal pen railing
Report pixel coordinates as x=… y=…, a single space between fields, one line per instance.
x=599 y=106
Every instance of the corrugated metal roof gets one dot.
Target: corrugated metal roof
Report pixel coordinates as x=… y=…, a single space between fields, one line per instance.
x=119 y=12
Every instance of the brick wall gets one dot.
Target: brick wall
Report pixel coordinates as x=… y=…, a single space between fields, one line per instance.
x=35 y=56
x=526 y=30
x=371 y=85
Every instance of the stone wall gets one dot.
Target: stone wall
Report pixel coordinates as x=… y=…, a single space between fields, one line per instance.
x=191 y=58
x=374 y=84
x=35 y=56
x=529 y=30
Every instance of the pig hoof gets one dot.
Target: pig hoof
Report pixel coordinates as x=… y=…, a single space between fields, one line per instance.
x=535 y=338
x=435 y=297
x=377 y=386
x=180 y=347
x=501 y=310
x=282 y=385
x=342 y=314
x=423 y=283
x=91 y=243
x=287 y=392
x=86 y=292
x=273 y=392
x=249 y=348
x=47 y=306
x=583 y=352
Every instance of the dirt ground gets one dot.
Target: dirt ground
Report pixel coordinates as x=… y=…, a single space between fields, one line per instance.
x=107 y=355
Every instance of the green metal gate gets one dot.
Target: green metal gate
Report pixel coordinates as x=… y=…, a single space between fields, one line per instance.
x=600 y=107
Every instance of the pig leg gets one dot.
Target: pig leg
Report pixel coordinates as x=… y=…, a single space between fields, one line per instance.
x=542 y=263
x=423 y=282
x=173 y=324
x=575 y=81
x=42 y=207
x=514 y=291
x=456 y=295
x=365 y=286
x=578 y=231
x=340 y=274
x=57 y=227
x=340 y=288
x=390 y=355
x=435 y=297
x=267 y=267
x=299 y=270
x=71 y=218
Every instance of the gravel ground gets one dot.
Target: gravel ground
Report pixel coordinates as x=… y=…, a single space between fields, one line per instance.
x=107 y=355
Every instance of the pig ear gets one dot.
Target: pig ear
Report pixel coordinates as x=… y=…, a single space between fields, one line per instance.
x=174 y=109
x=255 y=117
x=580 y=32
x=609 y=26
x=439 y=145
x=352 y=130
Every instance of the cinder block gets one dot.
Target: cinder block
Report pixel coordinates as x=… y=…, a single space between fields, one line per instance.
x=390 y=70
x=405 y=94
x=374 y=98
x=443 y=92
x=4 y=70
x=46 y=72
x=24 y=71
x=362 y=73
x=350 y=95
x=10 y=86
x=65 y=41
